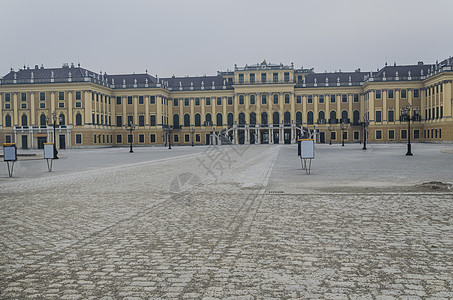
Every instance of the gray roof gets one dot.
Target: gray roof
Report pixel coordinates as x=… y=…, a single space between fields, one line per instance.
x=186 y=83
x=332 y=79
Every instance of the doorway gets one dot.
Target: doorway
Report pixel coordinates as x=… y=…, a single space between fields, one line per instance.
x=62 y=140
x=322 y=137
x=41 y=141
x=24 y=142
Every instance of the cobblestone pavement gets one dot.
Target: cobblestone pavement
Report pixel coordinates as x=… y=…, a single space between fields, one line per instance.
x=207 y=226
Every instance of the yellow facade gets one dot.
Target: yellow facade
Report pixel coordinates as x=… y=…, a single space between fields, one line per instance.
x=262 y=103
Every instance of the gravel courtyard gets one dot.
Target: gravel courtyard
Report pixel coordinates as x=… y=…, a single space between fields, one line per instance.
x=229 y=222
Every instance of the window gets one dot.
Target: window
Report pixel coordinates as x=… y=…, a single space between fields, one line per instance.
x=416 y=134
x=286 y=98
x=391 y=117
x=176 y=120
x=275 y=77
x=378 y=94
x=299 y=99
x=264 y=118
x=310 y=99
x=440 y=133
x=141 y=120
x=197 y=101
x=186 y=101
x=378 y=116
x=208 y=119
x=197 y=120
x=252 y=118
x=7 y=97
x=219 y=120
x=175 y=102
x=252 y=78
x=78 y=119
x=60 y=95
x=275 y=99
x=321 y=98
x=241 y=118
x=152 y=138
x=333 y=117
x=333 y=135
x=61 y=104
x=241 y=78
x=286 y=77
x=176 y=138
x=94 y=138
x=119 y=121
x=152 y=99
x=263 y=77
x=298 y=118
x=129 y=100
x=403 y=93
x=355 y=117
x=8 y=139
x=197 y=138
x=118 y=100
x=356 y=135
x=186 y=138
x=441 y=89
x=241 y=100
x=391 y=134
x=390 y=94
x=356 y=97
x=441 y=112
x=404 y=134
x=263 y=99
x=130 y=138
x=219 y=100
x=378 y=135
x=119 y=138
x=23 y=96
x=152 y=120
x=344 y=98
x=310 y=117
x=24 y=105
x=208 y=101
x=78 y=95
x=140 y=99
x=130 y=120
x=141 y=138
x=252 y=99
x=187 y=120
x=345 y=135
x=332 y=98
x=42 y=96
x=416 y=93
x=78 y=104
x=78 y=139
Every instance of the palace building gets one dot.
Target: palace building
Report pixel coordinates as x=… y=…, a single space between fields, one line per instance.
x=255 y=104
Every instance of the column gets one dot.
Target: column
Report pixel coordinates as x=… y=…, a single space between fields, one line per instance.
x=87 y=106
x=159 y=119
x=213 y=109
x=280 y=133
x=224 y=113
x=350 y=111
x=327 y=102
x=397 y=104
x=371 y=106
x=316 y=108
x=304 y=108
x=271 y=135
x=235 y=108
x=192 y=112
x=293 y=107
x=135 y=99
x=1 y=109
x=147 y=116
x=258 y=108
x=15 y=110
x=338 y=100
x=32 y=112
x=247 y=134
x=247 y=108
x=447 y=99
x=203 y=110
x=69 y=108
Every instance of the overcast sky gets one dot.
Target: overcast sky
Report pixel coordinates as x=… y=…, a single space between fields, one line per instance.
x=200 y=37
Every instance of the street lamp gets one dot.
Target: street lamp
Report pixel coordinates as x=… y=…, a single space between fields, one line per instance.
x=343 y=126
x=365 y=124
x=330 y=128
x=54 y=125
x=192 y=130
x=406 y=116
x=130 y=127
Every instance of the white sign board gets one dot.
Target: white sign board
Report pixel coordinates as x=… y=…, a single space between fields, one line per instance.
x=307 y=149
x=9 y=152
x=48 y=151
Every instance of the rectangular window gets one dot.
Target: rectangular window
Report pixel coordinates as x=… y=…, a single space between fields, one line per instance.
x=78 y=139
x=186 y=101
x=118 y=100
x=403 y=134
x=119 y=139
x=78 y=95
x=275 y=77
x=441 y=112
x=219 y=100
x=152 y=99
x=197 y=138
x=252 y=78
x=130 y=120
x=241 y=78
x=24 y=105
x=356 y=135
x=197 y=101
x=152 y=138
x=441 y=89
x=8 y=138
x=321 y=98
x=440 y=133
x=130 y=138
x=94 y=138
x=119 y=121
x=286 y=78
x=416 y=134
x=378 y=116
x=140 y=99
x=275 y=99
x=416 y=93
x=42 y=96
x=152 y=120
x=287 y=99
x=186 y=138
x=252 y=99
x=176 y=138
x=390 y=94
x=263 y=77
x=129 y=100
x=437 y=89
x=391 y=134
x=241 y=100
x=23 y=96
x=78 y=104
x=175 y=102
x=356 y=97
x=403 y=94
x=332 y=98
x=378 y=135
x=42 y=105
x=7 y=97
x=310 y=99
x=299 y=99
x=208 y=101
x=378 y=94
x=60 y=95
x=141 y=120
x=263 y=99
x=141 y=138
x=391 y=117
x=61 y=104
x=344 y=98
x=333 y=135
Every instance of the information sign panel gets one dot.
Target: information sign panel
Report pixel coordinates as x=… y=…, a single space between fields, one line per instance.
x=307 y=149
x=9 y=152
x=48 y=151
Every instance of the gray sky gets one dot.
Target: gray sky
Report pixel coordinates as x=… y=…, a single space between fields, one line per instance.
x=200 y=37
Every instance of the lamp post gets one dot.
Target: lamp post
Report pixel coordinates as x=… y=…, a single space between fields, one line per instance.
x=192 y=130
x=54 y=125
x=365 y=124
x=406 y=116
x=130 y=128
x=168 y=129
x=330 y=128
x=343 y=126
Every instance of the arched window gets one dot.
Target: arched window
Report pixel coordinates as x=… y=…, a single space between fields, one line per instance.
x=219 y=119
x=252 y=118
x=24 y=120
x=241 y=119
x=186 y=120
x=287 y=118
x=298 y=118
x=43 y=120
x=275 y=118
x=197 y=120
x=176 y=120
x=310 y=117
x=208 y=120
x=356 y=117
x=333 y=117
x=230 y=118
x=8 y=121
x=344 y=116
x=264 y=118
x=78 y=119
x=321 y=115
x=62 y=119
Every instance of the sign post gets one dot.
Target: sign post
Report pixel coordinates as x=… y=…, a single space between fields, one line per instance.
x=307 y=153
x=10 y=156
x=49 y=155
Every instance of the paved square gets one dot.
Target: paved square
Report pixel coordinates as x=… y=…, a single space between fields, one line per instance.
x=241 y=222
